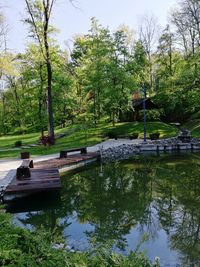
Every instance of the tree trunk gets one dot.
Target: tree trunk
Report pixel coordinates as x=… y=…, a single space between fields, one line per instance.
x=43 y=41
x=95 y=108
x=17 y=104
x=3 y=114
x=49 y=101
x=113 y=117
x=41 y=102
x=49 y=76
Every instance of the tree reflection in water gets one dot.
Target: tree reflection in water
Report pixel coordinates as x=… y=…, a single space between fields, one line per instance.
x=110 y=203
x=179 y=207
x=144 y=193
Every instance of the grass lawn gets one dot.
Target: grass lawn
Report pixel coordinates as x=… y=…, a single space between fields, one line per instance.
x=79 y=135
x=194 y=127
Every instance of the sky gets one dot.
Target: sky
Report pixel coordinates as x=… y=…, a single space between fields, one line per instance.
x=72 y=21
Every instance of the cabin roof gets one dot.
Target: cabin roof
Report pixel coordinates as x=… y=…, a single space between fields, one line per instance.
x=138 y=104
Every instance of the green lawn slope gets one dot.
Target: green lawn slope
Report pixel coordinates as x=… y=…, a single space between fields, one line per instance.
x=193 y=126
x=80 y=135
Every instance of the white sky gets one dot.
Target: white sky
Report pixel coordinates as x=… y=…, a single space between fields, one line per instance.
x=71 y=21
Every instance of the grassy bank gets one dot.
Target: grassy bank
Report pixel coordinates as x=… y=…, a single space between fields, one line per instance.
x=81 y=135
x=194 y=127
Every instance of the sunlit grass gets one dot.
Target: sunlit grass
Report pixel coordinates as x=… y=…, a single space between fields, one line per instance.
x=127 y=128
x=82 y=135
x=9 y=141
x=194 y=127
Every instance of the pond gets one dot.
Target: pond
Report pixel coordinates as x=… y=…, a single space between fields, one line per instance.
x=147 y=202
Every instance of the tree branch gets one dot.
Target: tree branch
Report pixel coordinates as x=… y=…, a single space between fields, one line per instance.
x=51 y=6
x=35 y=27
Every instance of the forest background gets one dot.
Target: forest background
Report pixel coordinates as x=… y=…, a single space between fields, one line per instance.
x=47 y=87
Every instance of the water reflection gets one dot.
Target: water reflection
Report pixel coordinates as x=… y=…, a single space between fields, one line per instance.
x=158 y=196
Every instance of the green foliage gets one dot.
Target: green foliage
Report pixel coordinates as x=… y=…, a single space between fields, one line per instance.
x=134 y=135
x=18 y=143
x=152 y=115
x=126 y=129
x=19 y=130
x=84 y=134
x=20 y=247
x=9 y=140
x=98 y=79
x=193 y=126
x=154 y=135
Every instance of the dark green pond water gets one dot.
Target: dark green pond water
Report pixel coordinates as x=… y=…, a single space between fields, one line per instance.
x=151 y=198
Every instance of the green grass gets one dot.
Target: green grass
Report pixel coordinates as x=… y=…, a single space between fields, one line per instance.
x=79 y=135
x=194 y=127
x=165 y=130
x=9 y=141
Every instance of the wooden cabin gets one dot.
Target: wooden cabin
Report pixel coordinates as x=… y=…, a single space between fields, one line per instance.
x=138 y=104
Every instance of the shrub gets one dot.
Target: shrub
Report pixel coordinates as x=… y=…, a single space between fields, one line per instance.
x=112 y=135
x=134 y=135
x=151 y=115
x=20 y=247
x=18 y=143
x=154 y=135
x=47 y=140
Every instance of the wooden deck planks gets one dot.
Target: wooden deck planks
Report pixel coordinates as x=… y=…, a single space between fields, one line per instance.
x=45 y=175
x=71 y=159
x=41 y=180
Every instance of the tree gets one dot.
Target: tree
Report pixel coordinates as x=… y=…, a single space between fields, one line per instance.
x=103 y=71
x=40 y=13
x=186 y=19
x=148 y=36
x=119 y=76
x=187 y=22
x=89 y=62
x=32 y=79
x=3 y=33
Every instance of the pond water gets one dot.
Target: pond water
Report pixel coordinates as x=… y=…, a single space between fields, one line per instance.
x=150 y=202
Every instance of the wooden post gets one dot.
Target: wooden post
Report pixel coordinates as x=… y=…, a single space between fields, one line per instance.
x=23 y=171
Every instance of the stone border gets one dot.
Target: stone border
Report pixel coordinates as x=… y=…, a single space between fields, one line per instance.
x=127 y=150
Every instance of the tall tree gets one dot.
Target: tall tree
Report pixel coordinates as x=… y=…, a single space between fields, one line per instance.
x=148 y=36
x=187 y=22
x=186 y=19
x=3 y=33
x=40 y=13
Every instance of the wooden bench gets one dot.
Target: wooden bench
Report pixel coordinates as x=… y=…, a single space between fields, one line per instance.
x=63 y=153
x=23 y=171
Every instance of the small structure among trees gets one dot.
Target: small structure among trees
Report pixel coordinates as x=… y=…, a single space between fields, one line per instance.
x=138 y=104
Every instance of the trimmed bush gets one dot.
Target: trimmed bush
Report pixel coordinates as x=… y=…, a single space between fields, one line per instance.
x=112 y=135
x=134 y=135
x=18 y=143
x=154 y=136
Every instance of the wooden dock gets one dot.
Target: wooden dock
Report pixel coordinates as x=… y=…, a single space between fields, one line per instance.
x=44 y=176
x=41 y=180
x=63 y=162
